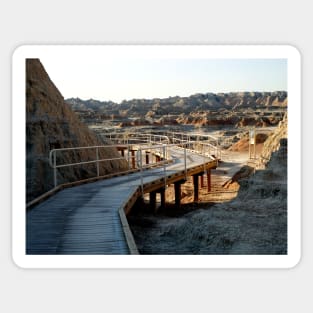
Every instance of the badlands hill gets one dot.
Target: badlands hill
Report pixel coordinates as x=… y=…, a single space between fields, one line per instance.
x=233 y=109
x=50 y=124
x=197 y=102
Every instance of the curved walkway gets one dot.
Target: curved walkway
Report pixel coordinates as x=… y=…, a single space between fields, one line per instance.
x=86 y=219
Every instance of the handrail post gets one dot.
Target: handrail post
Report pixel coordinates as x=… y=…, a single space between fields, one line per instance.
x=140 y=163
x=185 y=162
x=55 y=168
x=203 y=152
x=97 y=158
x=164 y=166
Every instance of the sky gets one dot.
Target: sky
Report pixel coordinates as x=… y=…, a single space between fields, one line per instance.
x=125 y=79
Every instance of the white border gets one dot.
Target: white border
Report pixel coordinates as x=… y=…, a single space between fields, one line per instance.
x=164 y=261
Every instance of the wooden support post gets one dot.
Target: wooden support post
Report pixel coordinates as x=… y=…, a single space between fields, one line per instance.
x=122 y=152
x=162 y=194
x=208 y=175
x=201 y=181
x=177 y=187
x=254 y=148
x=153 y=200
x=133 y=159
x=147 y=157
x=138 y=205
x=196 y=187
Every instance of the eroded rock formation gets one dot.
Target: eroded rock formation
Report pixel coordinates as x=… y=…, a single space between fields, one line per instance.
x=50 y=124
x=239 y=109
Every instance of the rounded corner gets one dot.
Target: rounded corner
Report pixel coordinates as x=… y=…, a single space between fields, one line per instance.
x=19 y=50
x=294 y=50
x=17 y=262
x=294 y=263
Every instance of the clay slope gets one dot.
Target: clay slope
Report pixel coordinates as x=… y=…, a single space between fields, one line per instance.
x=50 y=123
x=273 y=143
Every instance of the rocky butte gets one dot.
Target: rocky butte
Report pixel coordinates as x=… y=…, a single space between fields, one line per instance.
x=50 y=124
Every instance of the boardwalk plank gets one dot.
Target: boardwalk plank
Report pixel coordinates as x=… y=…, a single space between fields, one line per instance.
x=84 y=219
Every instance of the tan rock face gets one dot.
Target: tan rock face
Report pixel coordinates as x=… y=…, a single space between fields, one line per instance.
x=273 y=143
x=50 y=124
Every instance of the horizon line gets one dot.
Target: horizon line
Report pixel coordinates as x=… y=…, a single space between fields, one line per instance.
x=162 y=98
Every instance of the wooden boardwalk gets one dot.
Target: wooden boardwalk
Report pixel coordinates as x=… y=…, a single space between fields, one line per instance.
x=86 y=219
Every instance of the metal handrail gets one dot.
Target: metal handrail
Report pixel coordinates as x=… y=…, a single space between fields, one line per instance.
x=194 y=135
x=131 y=136
x=184 y=138
x=158 y=148
x=163 y=153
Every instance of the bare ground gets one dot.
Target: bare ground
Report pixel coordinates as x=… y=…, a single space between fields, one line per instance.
x=224 y=221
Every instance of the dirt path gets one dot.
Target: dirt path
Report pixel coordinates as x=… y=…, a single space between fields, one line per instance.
x=231 y=163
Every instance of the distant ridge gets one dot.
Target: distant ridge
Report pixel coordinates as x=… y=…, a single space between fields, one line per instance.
x=196 y=102
x=236 y=109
